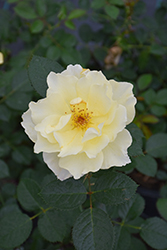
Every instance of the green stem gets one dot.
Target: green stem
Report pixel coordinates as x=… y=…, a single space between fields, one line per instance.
x=126 y=225
x=43 y=211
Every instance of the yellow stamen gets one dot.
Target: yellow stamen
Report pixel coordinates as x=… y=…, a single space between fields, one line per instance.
x=81 y=117
x=83 y=70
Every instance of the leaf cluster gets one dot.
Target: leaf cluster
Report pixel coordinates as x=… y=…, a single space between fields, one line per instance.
x=102 y=211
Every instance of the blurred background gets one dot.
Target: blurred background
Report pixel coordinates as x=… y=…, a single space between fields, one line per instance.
x=126 y=39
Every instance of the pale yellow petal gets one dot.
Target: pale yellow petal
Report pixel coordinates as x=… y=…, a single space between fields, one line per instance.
x=95 y=146
x=80 y=164
x=1 y=58
x=28 y=125
x=70 y=141
x=107 y=118
x=115 y=154
x=52 y=161
x=122 y=93
x=52 y=105
x=96 y=77
x=44 y=145
x=98 y=102
x=118 y=123
x=47 y=125
x=92 y=133
x=83 y=88
x=62 y=84
x=73 y=70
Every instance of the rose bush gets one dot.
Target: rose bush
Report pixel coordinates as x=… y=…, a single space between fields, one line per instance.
x=80 y=125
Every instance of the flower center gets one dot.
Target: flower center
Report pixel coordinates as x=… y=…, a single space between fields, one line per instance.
x=81 y=117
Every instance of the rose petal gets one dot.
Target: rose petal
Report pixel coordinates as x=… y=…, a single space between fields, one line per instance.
x=73 y=70
x=80 y=164
x=52 y=160
x=94 y=146
x=96 y=77
x=44 y=145
x=92 y=133
x=53 y=104
x=28 y=125
x=98 y=102
x=115 y=154
x=64 y=85
x=70 y=141
x=122 y=93
x=118 y=123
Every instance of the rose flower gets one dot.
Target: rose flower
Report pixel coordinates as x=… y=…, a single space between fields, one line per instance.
x=80 y=125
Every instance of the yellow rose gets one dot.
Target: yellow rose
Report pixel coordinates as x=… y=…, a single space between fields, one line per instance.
x=1 y=58
x=80 y=125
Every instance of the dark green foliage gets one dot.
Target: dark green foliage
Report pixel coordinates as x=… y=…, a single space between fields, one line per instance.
x=114 y=188
x=90 y=228
x=105 y=212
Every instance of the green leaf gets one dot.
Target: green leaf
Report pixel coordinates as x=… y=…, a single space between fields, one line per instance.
x=76 y=14
x=158 y=110
x=162 y=207
x=37 y=26
x=19 y=100
x=69 y=24
x=114 y=188
x=52 y=226
x=20 y=82
x=53 y=52
x=4 y=170
x=154 y=233
x=156 y=145
x=149 y=96
x=93 y=230
x=41 y=7
x=163 y=191
x=161 y=97
x=85 y=33
x=123 y=239
x=157 y=50
x=38 y=70
x=137 y=244
x=161 y=175
x=146 y=165
x=8 y=190
x=132 y=208
x=27 y=192
x=150 y=119
x=24 y=10
x=112 y=11
x=99 y=54
x=141 y=35
x=144 y=81
x=71 y=56
x=136 y=148
x=97 y=4
x=22 y=154
x=117 y=2
x=12 y=1
x=7 y=209
x=5 y=113
x=62 y=13
x=14 y=230
x=66 y=194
